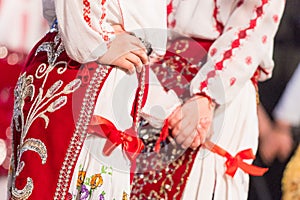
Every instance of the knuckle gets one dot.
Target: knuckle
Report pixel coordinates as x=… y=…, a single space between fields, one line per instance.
x=138 y=62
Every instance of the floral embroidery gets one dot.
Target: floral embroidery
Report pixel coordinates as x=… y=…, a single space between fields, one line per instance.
x=84 y=193
x=80 y=133
x=96 y=181
x=101 y=196
x=53 y=50
x=81 y=177
x=43 y=102
x=86 y=185
x=125 y=196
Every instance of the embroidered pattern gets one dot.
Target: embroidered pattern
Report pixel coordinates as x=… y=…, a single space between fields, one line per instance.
x=242 y=34
x=105 y=33
x=44 y=102
x=80 y=131
x=170 y=14
x=87 y=12
x=86 y=186
x=219 y=25
x=125 y=196
x=140 y=181
x=264 y=39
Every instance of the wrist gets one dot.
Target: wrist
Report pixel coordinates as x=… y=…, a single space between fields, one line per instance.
x=283 y=127
x=212 y=103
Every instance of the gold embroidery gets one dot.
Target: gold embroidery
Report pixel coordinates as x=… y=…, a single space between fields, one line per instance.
x=181 y=46
x=167 y=184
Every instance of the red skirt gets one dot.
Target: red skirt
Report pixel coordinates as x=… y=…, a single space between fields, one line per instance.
x=54 y=99
x=164 y=175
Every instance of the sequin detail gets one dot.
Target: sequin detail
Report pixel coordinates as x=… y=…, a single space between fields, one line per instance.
x=42 y=104
x=80 y=131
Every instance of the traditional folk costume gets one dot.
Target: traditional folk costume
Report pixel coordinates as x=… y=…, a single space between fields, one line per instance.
x=74 y=126
x=241 y=35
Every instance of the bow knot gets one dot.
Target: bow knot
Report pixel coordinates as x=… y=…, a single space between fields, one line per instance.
x=233 y=163
x=131 y=144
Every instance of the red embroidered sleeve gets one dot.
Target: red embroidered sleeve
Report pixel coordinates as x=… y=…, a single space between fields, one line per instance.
x=241 y=35
x=84 y=28
x=105 y=34
x=245 y=44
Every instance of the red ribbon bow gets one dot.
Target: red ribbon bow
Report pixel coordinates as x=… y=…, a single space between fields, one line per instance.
x=233 y=163
x=131 y=144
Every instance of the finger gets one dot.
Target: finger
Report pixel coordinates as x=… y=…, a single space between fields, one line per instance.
x=175 y=117
x=185 y=136
x=196 y=142
x=176 y=129
x=172 y=141
x=205 y=122
x=202 y=133
x=189 y=140
x=186 y=121
x=174 y=112
x=142 y=55
x=268 y=154
x=123 y=63
x=284 y=151
x=135 y=60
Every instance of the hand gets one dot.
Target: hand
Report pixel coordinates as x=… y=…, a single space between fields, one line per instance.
x=192 y=121
x=118 y=29
x=155 y=58
x=202 y=130
x=127 y=52
x=276 y=144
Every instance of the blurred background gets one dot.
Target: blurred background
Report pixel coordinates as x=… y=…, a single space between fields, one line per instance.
x=287 y=59
x=22 y=25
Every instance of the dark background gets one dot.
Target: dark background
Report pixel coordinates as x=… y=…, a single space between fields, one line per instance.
x=287 y=58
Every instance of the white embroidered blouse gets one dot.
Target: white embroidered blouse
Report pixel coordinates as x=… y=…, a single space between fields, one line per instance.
x=86 y=28
x=89 y=23
x=243 y=31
